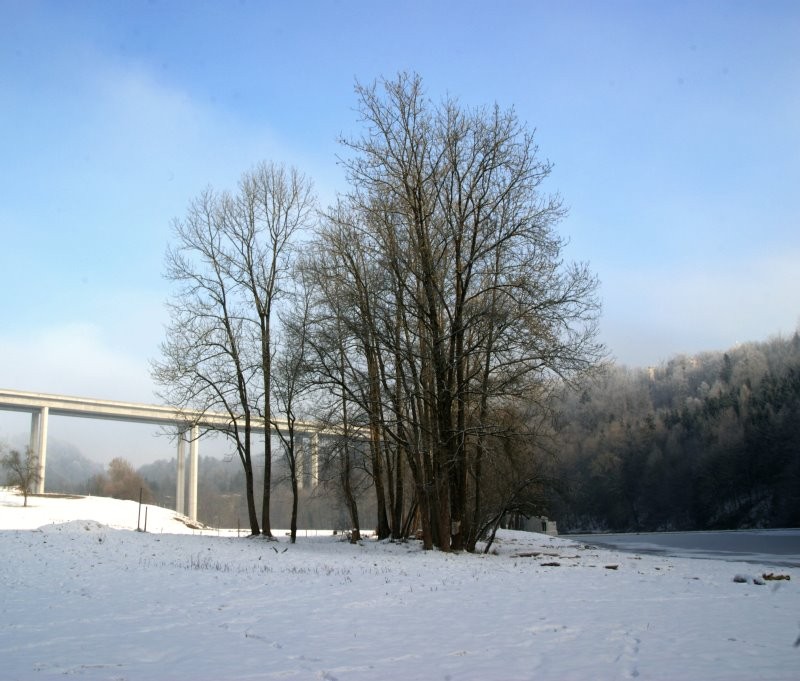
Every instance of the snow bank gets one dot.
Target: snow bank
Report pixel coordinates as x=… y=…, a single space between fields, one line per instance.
x=76 y=526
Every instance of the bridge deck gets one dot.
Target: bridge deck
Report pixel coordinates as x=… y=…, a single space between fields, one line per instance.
x=84 y=407
x=43 y=405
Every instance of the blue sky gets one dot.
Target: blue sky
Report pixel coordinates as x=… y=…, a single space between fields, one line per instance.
x=674 y=129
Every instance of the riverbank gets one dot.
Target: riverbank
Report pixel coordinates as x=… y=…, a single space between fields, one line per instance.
x=776 y=547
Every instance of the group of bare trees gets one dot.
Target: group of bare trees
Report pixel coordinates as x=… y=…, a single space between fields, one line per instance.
x=230 y=253
x=424 y=321
x=121 y=481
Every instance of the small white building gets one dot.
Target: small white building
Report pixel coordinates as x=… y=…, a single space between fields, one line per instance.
x=541 y=524
x=536 y=523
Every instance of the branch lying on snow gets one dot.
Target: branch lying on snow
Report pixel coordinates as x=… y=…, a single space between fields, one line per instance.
x=748 y=579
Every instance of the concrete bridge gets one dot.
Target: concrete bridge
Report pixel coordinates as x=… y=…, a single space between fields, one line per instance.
x=188 y=423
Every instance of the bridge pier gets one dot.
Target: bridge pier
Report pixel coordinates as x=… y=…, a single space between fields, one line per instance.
x=307 y=453
x=38 y=443
x=180 y=506
x=314 y=458
x=194 y=445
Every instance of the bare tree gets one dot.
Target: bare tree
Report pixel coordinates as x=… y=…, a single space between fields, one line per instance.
x=336 y=363
x=454 y=270
x=290 y=384
x=23 y=471
x=230 y=253
x=207 y=362
x=348 y=299
x=516 y=459
x=273 y=205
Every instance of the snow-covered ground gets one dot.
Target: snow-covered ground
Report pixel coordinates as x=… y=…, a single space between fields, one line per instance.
x=81 y=597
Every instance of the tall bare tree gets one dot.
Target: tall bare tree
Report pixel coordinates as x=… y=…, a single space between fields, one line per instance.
x=338 y=363
x=472 y=304
x=273 y=205
x=351 y=292
x=206 y=360
x=290 y=384
x=230 y=253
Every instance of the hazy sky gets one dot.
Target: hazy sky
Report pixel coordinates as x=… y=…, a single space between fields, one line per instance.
x=674 y=129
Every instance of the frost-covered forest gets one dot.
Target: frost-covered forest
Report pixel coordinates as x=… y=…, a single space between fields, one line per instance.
x=701 y=442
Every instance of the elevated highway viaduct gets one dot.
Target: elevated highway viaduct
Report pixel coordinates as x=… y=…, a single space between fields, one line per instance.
x=188 y=424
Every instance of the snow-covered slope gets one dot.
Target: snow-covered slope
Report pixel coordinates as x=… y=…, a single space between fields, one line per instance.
x=79 y=598
x=60 y=508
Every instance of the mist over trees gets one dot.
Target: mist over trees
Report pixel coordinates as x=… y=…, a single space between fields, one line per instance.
x=221 y=498
x=704 y=442
x=68 y=471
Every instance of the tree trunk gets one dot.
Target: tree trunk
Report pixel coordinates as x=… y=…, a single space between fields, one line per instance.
x=350 y=500
x=266 y=360
x=398 y=530
x=251 y=501
x=293 y=528
x=380 y=491
x=443 y=516
x=423 y=500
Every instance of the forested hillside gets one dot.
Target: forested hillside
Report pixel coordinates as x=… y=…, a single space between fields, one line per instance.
x=704 y=442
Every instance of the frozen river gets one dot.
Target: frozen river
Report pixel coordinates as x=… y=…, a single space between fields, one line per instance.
x=770 y=547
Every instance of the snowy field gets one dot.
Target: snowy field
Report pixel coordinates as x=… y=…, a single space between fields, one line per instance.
x=86 y=596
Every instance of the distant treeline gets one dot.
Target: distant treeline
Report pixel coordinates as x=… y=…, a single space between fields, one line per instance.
x=704 y=442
